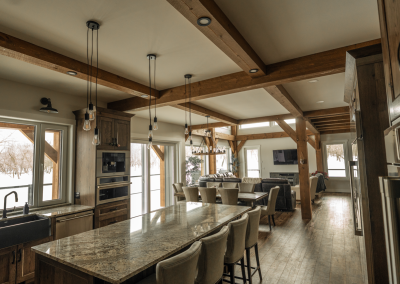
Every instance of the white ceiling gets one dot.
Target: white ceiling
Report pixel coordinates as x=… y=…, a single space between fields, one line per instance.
x=329 y=89
x=279 y=30
x=248 y=104
x=172 y=115
x=19 y=71
x=129 y=31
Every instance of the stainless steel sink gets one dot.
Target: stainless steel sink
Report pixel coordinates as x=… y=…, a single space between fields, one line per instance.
x=24 y=229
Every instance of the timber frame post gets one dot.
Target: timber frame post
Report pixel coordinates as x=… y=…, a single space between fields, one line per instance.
x=302 y=156
x=318 y=153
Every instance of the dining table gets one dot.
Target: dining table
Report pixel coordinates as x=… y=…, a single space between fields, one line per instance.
x=128 y=251
x=247 y=198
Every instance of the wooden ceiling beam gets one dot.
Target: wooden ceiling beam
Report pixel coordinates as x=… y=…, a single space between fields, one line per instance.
x=329 y=112
x=210 y=125
x=265 y=119
x=265 y=136
x=335 y=131
x=22 y=50
x=204 y=112
x=344 y=117
x=347 y=123
x=306 y=67
x=222 y=33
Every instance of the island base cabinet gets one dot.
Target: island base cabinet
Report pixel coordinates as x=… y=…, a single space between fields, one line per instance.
x=48 y=271
x=8 y=265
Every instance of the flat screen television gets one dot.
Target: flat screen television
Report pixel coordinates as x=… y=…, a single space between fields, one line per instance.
x=285 y=157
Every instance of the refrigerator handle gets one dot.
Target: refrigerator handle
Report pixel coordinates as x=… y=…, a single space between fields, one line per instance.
x=354 y=200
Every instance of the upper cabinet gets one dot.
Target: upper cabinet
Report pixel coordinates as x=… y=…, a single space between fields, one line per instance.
x=389 y=18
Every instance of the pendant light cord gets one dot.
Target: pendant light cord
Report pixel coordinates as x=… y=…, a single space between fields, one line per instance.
x=185 y=104
x=87 y=61
x=190 y=102
x=155 y=88
x=150 y=91
x=91 y=70
x=97 y=65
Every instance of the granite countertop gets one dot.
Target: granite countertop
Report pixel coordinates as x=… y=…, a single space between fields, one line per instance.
x=117 y=252
x=52 y=212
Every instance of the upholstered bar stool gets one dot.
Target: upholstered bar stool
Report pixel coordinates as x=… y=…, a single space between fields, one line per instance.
x=235 y=247
x=246 y=187
x=229 y=196
x=179 y=269
x=211 y=261
x=191 y=193
x=177 y=189
x=208 y=195
x=229 y=184
x=213 y=184
x=251 y=241
x=270 y=208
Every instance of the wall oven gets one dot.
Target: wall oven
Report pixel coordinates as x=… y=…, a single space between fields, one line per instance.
x=110 y=189
x=112 y=163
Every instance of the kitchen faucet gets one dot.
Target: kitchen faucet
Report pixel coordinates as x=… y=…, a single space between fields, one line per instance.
x=5 y=203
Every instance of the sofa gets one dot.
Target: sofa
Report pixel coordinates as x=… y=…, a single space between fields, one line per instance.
x=313 y=188
x=227 y=177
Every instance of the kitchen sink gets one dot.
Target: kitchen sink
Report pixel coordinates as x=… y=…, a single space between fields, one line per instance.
x=14 y=231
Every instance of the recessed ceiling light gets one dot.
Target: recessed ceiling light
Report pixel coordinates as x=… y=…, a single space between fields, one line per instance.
x=320 y=102
x=313 y=81
x=144 y=96
x=253 y=70
x=203 y=21
x=72 y=73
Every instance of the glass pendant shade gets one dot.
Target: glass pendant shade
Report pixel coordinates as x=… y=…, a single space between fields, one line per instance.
x=86 y=123
x=190 y=135
x=96 y=137
x=186 y=129
x=150 y=134
x=155 y=126
x=92 y=111
x=150 y=143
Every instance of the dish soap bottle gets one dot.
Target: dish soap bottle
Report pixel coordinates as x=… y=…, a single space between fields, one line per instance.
x=26 y=208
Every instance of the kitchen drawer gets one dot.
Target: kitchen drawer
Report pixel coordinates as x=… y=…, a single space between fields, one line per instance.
x=112 y=208
x=112 y=220
x=111 y=213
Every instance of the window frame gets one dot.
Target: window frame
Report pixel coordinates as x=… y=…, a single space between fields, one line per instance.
x=38 y=160
x=244 y=159
x=346 y=157
x=256 y=125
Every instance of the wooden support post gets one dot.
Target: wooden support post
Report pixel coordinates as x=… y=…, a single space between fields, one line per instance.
x=162 y=179
x=56 y=166
x=302 y=156
x=212 y=159
x=318 y=153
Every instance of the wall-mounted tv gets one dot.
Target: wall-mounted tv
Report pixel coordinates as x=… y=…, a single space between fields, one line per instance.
x=285 y=157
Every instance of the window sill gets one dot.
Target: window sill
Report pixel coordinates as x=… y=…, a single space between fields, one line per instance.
x=19 y=210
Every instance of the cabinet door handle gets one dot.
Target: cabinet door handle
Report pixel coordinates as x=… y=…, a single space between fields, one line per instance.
x=13 y=257
x=19 y=255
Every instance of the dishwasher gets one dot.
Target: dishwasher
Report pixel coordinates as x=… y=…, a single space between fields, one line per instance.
x=73 y=224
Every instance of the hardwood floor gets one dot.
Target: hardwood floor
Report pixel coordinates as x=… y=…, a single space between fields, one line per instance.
x=323 y=250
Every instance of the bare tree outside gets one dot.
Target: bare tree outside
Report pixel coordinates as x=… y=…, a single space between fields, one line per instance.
x=336 y=151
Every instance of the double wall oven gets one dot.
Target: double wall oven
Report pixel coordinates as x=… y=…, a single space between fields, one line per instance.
x=112 y=176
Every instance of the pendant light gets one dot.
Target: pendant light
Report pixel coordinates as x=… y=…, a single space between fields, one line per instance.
x=188 y=78
x=90 y=26
x=155 y=125
x=92 y=108
x=150 y=133
x=186 y=125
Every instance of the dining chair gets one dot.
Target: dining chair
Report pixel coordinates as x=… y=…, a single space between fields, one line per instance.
x=177 y=189
x=229 y=184
x=213 y=184
x=235 y=246
x=229 y=196
x=251 y=241
x=247 y=187
x=191 y=193
x=270 y=208
x=211 y=260
x=208 y=195
x=179 y=269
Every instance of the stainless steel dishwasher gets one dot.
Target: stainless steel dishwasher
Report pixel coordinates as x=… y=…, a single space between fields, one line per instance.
x=73 y=224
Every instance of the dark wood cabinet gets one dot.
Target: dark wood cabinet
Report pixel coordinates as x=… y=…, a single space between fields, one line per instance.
x=8 y=265
x=106 y=130
x=122 y=132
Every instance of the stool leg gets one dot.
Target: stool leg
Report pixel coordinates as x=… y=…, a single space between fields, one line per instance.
x=269 y=221
x=232 y=273
x=273 y=219
x=258 y=261
x=248 y=265
x=243 y=271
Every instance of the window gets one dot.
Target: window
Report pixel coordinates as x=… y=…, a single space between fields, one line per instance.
x=32 y=163
x=252 y=162
x=335 y=160
x=195 y=166
x=253 y=125
x=222 y=163
x=288 y=121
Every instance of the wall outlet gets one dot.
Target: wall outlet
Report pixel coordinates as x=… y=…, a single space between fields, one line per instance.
x=77 y=195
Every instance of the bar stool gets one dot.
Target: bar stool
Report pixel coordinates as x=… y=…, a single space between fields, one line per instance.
x=191 y=193
x=211 y=261
x=208 y=194
x=270 y=209
x=247 y=187
x=178 y=188
x=251 y=241
x=229 y=196
x=179 y=269
x=235 y=247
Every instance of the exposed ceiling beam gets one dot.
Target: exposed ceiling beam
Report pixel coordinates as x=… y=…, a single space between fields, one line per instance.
x=224 y=136
x=265 y=119
x=36 y=55
x=289 y=130
x=334 y=128
x=317 y=120
x=335 y=131
x=222 y=33
x=265 y=136
x=204 y=111
x=311 y=126
x=329 y=112
x=307 y=67
x=210 y=125
x=333 y=124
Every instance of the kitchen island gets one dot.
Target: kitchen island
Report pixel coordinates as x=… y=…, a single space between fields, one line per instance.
x=128 y=251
